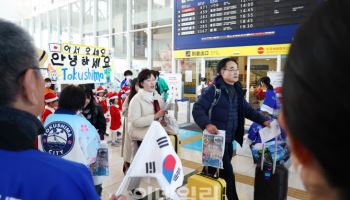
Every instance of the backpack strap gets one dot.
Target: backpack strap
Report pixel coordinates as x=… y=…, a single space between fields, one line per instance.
x=217 y=96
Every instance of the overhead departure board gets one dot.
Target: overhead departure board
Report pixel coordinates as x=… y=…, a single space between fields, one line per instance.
x=215 y=23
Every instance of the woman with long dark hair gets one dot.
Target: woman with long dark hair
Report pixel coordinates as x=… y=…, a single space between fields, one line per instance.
x=269 y=104
x=127 y=143
x=266 y=82
x=93 y=112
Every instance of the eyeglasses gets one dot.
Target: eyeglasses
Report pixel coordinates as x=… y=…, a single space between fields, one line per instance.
x=23 y=72
x=232 y=70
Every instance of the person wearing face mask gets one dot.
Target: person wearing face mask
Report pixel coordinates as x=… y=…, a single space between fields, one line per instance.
x=127 y=79
x=68 y=134
x=48 y=86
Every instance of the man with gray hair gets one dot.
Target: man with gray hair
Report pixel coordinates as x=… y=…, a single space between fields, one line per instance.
x=26 y=173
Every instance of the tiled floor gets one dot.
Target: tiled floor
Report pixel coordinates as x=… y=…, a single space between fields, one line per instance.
x=242 y=165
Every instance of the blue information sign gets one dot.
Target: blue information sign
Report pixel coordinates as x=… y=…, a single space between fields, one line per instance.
x=227 y=23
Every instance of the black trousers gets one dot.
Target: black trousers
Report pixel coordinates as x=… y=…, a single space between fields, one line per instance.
x=227 y=173
x=98 y=189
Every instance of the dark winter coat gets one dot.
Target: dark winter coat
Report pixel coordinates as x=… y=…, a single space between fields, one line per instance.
x=220 y=112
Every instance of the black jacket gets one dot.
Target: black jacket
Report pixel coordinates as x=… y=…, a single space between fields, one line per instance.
x=18 y=129
x=96 y=117
x=220 y=112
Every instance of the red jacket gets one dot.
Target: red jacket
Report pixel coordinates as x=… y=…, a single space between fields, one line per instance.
x=122 y=96
x=259 y=93
x=103 y=102
x=116 y=120
x=48 y=111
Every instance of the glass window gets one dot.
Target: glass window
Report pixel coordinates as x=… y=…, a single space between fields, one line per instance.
x=189 y=68
x=44 y=31
x=161 y=12
x=30 y=25
x=102 y=17
x=88 y=17
x=161 y=49
x=118 y=16
x=283 y=62
x=103 y=42
x=88 y=39
x=74 y=29
x=139 y=14
x=37 y=30
x=53 y=26
x=259 y=69
x=64 y=24
x=26 y=24
x=119 y=45
x=210 y=69
x=139 y=49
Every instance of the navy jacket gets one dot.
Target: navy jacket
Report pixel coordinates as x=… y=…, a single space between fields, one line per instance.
x=220 y=112
x=26 y=173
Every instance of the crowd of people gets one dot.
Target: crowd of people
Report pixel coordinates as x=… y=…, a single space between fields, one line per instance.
x=88 y=113
x=73 y=124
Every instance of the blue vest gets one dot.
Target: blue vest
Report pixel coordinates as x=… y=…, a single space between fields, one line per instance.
x=31 y=174
x=71 y=137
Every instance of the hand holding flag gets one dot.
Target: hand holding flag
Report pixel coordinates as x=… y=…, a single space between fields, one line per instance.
x=156 y=158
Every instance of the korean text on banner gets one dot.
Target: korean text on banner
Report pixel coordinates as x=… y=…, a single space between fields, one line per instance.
x=79 y=64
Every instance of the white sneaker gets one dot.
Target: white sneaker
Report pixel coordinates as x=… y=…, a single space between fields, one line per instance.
x=135 y=194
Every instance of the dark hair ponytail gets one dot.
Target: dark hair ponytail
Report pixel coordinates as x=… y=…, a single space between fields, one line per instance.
x=266 y=80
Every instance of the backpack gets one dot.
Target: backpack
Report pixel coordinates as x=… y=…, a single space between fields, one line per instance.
x=203 y=88
x=217 y=96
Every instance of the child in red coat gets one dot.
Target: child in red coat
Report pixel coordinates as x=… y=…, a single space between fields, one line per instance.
x=100 y=91
x=122 y=95
x=51 y=101
x=116 y=120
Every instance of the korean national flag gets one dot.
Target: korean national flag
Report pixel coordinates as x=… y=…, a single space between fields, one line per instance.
x=157 y=158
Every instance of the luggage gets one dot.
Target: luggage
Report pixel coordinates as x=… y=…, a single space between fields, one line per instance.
x=176 y=143
x=275 y=188
x=205 y=187
x=271 y=182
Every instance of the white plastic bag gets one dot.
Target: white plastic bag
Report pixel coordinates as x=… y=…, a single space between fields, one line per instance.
x=172 y=127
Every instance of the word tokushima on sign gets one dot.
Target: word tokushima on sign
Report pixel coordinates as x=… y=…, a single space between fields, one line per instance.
x=79 y=64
